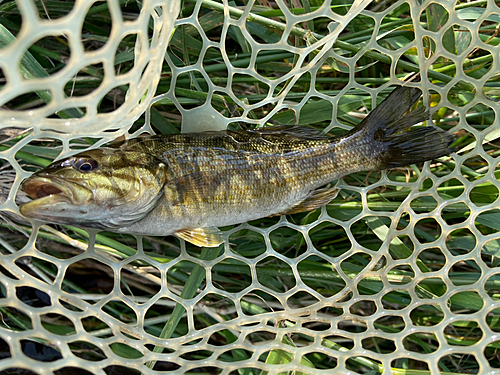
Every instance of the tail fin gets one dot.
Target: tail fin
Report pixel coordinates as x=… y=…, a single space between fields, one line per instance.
x=388 y=127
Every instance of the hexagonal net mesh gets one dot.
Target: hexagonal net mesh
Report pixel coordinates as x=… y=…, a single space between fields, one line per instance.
x=397 y=275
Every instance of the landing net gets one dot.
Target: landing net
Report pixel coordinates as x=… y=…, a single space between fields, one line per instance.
x=397 y=275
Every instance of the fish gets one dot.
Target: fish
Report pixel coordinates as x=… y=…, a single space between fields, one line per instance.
x=189 y=185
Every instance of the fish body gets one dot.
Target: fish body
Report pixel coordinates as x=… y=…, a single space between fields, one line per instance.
x=190 y=184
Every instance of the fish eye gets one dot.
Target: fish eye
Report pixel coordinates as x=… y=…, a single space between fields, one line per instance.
x=85 y=165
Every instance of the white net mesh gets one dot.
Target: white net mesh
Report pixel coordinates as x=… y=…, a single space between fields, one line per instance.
x=399 y=274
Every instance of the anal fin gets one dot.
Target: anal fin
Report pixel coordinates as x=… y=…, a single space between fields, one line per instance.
x=203 y=237
x=316 y=199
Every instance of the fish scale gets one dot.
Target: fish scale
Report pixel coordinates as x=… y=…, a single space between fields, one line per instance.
x=190 y=184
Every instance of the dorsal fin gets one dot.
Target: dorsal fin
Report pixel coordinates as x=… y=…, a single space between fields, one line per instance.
x=295 y=131
x=281 y=136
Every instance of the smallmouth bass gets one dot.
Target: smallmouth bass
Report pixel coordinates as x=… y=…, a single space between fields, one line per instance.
x=190 y=184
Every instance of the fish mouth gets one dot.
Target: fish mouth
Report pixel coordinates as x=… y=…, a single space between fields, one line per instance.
x=47 y=191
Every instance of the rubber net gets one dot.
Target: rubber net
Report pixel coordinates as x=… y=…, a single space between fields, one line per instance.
x=397 y=275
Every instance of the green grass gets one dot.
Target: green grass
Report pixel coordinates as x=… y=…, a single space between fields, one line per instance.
x=142 y=278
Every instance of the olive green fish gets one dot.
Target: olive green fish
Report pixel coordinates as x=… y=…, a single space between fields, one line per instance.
x=190 y=184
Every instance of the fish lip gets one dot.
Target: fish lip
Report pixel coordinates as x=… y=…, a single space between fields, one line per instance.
x=52 y=189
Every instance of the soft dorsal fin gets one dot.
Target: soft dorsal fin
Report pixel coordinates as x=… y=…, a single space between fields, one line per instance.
x=294 y=131
x=203 y=237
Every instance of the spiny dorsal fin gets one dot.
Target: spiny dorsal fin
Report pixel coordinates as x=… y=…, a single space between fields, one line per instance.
x=203 y=237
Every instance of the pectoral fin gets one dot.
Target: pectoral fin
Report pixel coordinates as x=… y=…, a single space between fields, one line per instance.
x=317 y=198
x=203 y=237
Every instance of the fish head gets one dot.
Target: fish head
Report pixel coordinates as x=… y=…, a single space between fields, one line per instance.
x=102 y=188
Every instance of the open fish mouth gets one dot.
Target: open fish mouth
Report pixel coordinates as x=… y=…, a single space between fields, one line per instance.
x=46 y=191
